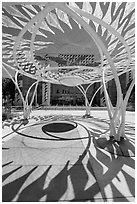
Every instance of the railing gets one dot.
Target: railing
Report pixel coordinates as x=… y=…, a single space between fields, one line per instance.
x=44 y=107
x=63 y=107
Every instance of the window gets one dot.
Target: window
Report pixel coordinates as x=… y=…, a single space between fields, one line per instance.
x=57 y=91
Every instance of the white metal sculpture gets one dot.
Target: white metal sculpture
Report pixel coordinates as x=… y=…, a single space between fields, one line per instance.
x=26 y=106
x=110 y=26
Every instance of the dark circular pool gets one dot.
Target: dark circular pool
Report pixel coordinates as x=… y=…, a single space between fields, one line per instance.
x=58 y=127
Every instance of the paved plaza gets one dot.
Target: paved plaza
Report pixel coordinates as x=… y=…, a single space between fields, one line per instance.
x=56 y=157
x=68 y=115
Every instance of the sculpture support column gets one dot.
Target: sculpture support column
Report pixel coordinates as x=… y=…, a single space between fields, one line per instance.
x=83 y=91
x=43 y=93
x=26 y=107
x=102 y=49
x=116 y=116
x=48 y=94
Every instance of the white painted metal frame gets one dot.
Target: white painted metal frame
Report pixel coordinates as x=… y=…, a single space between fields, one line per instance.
x=26 y=106
x=117 y=115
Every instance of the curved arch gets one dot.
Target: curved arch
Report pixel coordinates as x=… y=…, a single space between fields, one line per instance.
x=26 y=98
x=99 y=43
x=110 y=28
x=49 y=7
x=16 y=84
x=34 y=93
x=103 y=49
x=32 y=41
x=38 y=18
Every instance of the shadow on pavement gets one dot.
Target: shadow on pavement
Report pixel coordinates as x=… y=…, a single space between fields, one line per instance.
x=80 y=174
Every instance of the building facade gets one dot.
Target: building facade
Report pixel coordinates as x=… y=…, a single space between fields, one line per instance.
x=53 y=94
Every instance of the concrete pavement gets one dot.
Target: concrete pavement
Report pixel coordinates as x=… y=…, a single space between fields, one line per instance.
x=39 y=166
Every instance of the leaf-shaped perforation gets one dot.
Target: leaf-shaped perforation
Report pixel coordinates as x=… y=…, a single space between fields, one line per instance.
x=25 y=44
x=121 y=64
x=5 y=46
x=30 y=8
x=37 y=47
x=105 y=35
x=37 y=7
x=121 y=54
x=9 y=60
x=53 y=21
x=130 y=8
x=104 y=7
x=97 y=13
x=132 y=48
x=109 y=38
x=20 y=8
x=116 y=10
x=7 y=36
x=119 y=48
x=8 y=41
x=130 y=32
x=45 y=27
x=91 y=23
x=130 y=40
x=41 y=43
x=73 y=4
x=20 y=21
x=126 y=26
x=86 y=7
x=41 y=32
x=7 y=56
x=5 y=52
x=20 y=56
x=12 y=10
x=99 y=30
x=23 y=21
x=122 y=60
x=79 y=4
x=63 y=17
x=113 y=42
x=93 y=5
x=29 y=12
x=7 y=22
